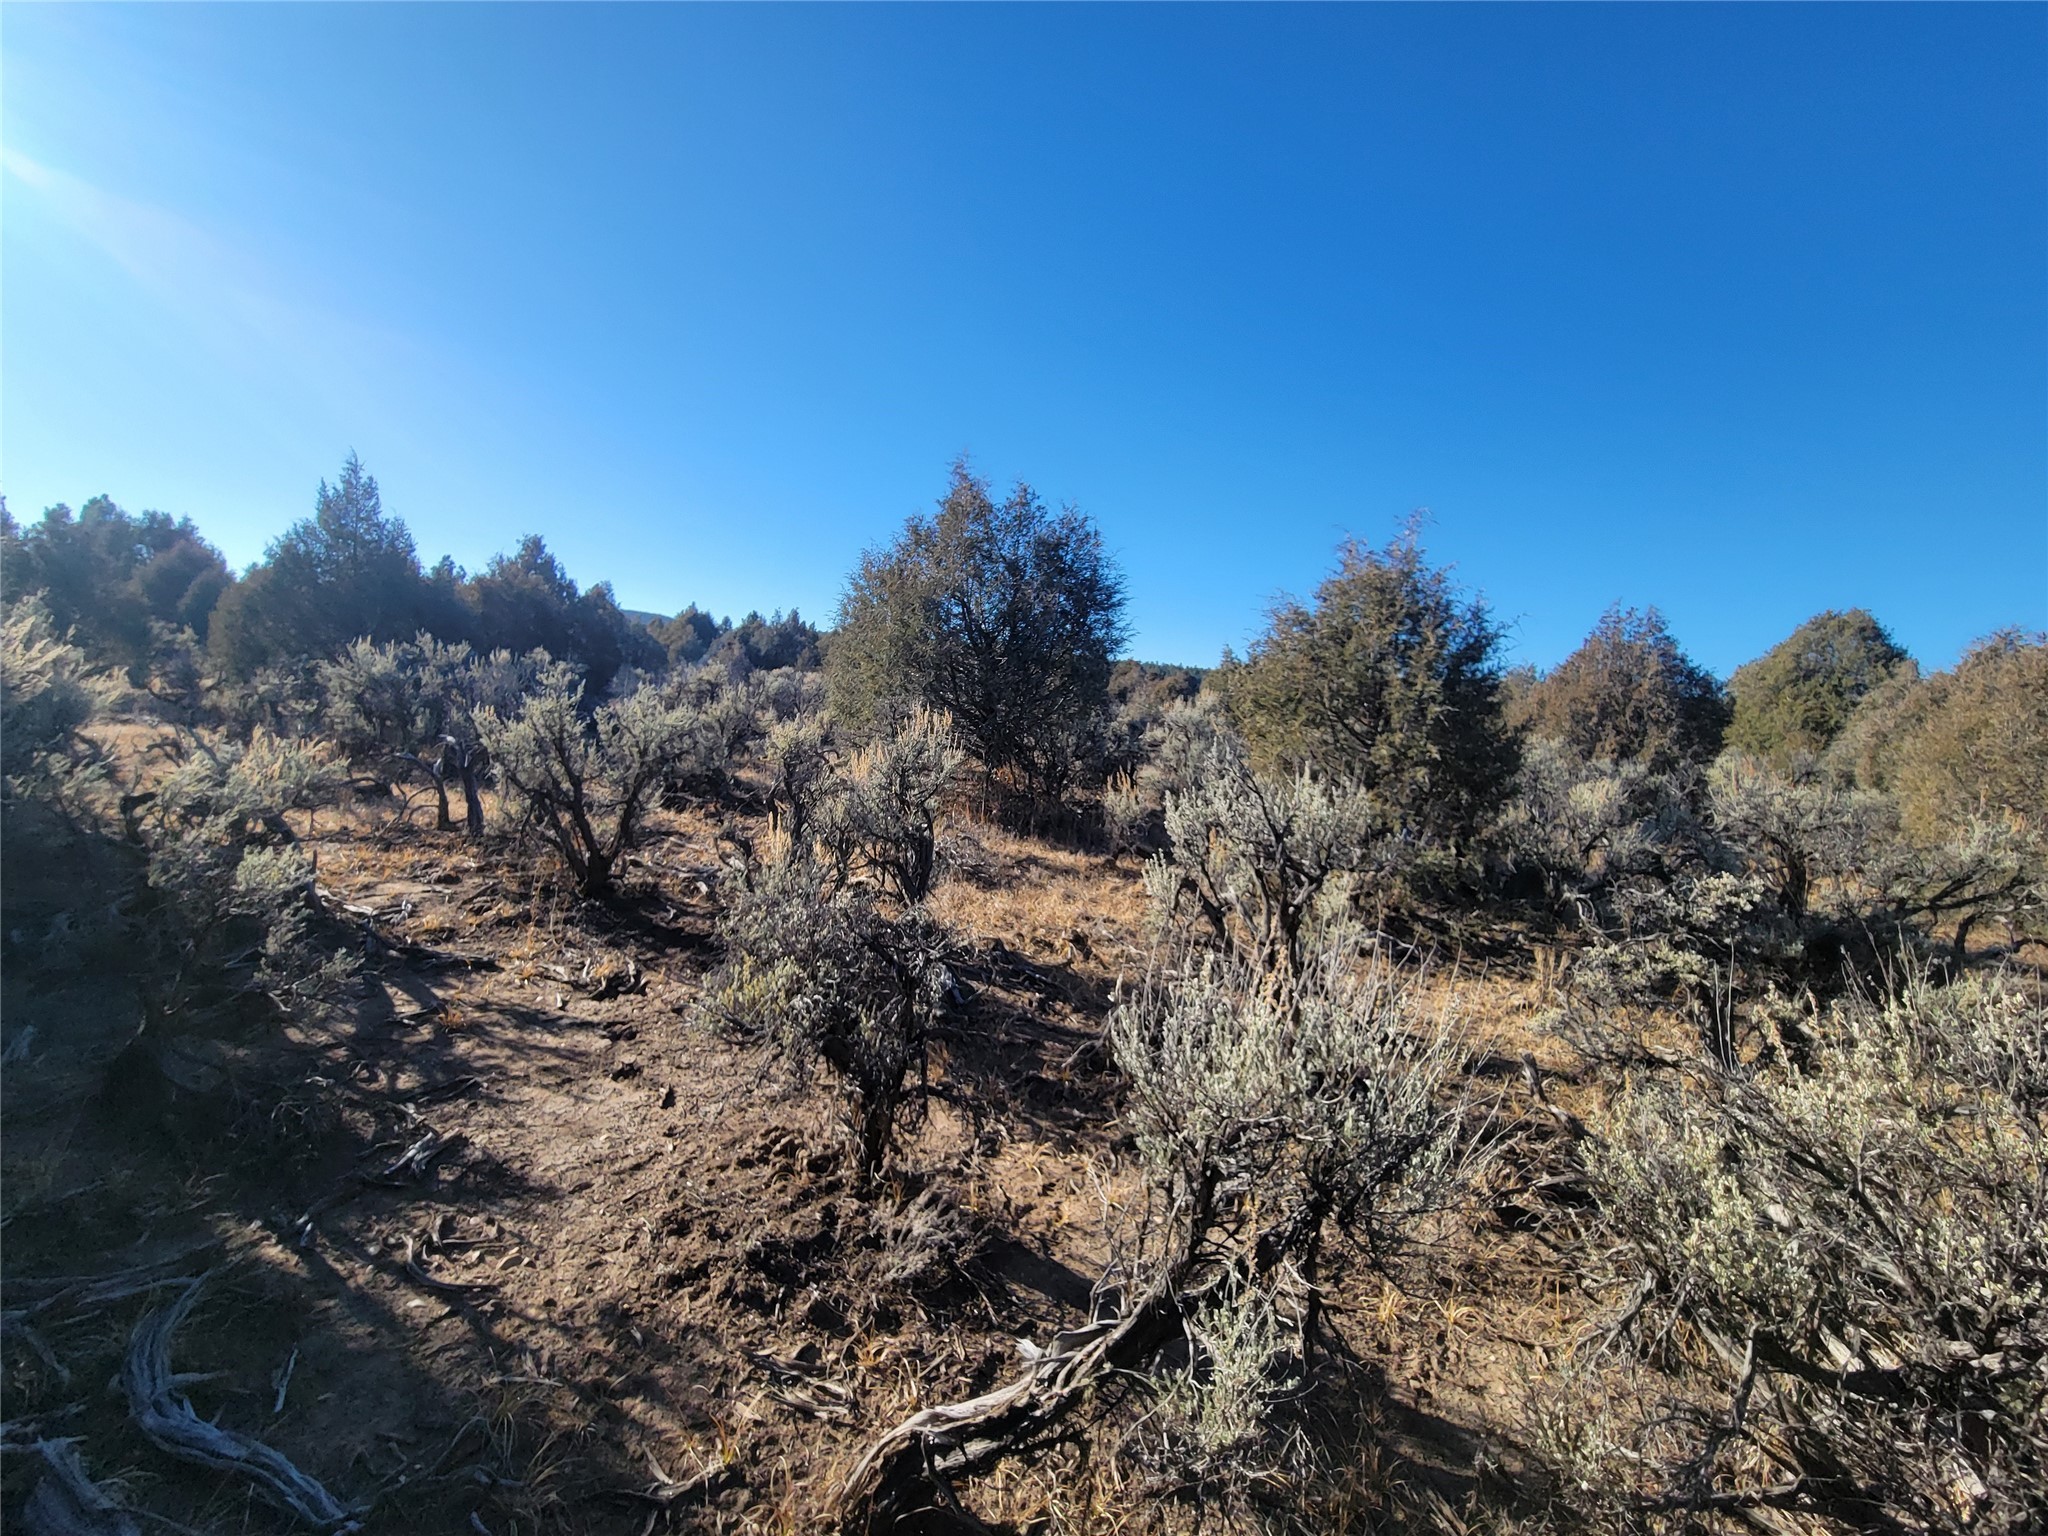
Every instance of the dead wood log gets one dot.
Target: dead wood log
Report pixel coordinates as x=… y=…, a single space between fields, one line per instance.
x=902 y=1483
x=166 y=1418
x=72 y=1292
x=67 y=1502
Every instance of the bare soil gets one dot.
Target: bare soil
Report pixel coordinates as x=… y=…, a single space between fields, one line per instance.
x=634 y=1289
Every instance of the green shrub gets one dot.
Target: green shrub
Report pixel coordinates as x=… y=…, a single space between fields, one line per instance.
x=1003 y=615
x=1629 y=694
x=1795 y=698
x=1390 y=680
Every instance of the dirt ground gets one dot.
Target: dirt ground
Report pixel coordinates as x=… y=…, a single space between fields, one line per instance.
x=623 y=1284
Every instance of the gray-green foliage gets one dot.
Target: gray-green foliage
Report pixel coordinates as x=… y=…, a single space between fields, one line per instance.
x=1272 y=1113
x=1255 y=860
x=1164 y=751
x=787 y=694
x=825 y=975
x=804 y=780
x=724 y=709
x=227 y=870
x=1216 y=1422
x=1179 y=744
x=1307 y=1104
x=1586 y=825
x=1798 y=829
x=1844 y=857
x=48 y=694
x=885 y=820
x=281 y=698
x=585 y=783
x=1963 y=757
x=1753 y=886
x=174 y=672
x=1861 y=1243
x=1282 y=1090
x=396 y=699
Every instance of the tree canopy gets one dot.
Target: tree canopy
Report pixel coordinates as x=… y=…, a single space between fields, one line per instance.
x=1797 y=696
x=345 y=572
x=1630 y=694
x=1959 y=745
x=1004 y=614
x=106 y=576
x=1390 y=679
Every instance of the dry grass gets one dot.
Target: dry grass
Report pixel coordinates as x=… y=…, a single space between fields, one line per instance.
x=1054 y=906
x=667 y=1207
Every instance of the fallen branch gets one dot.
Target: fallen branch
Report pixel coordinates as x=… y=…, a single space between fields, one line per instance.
x=166 y=1418
x=67 y=1502
x=666 y=1492
x=797 y=1386
x=906 y=1473
x=419 y=1276
x=70 y=1292
x=410 y=1167
x=413 y=1164
x=433 y=1093
x=16 y=1323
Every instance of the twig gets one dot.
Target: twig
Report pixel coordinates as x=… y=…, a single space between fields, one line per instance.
x=283 y=1380
x=409 y=1167
x=446 y=1287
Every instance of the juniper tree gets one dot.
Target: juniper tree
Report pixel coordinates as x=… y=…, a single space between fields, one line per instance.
x=1004 y=615
x=347 y=570
x=1390 y=679
x=1629 y=693
x=1797 y=696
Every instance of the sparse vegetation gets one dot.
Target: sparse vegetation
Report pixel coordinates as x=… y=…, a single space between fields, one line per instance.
x=1455 y=1102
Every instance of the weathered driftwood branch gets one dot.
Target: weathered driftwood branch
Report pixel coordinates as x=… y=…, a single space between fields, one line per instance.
x=902 y=1483
x=166 y=1418
x=74 y=1292
x=419 y=1275
x=67 y=1502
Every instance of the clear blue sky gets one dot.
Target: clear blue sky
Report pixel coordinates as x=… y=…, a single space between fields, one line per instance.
x=1741 y=311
